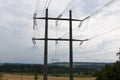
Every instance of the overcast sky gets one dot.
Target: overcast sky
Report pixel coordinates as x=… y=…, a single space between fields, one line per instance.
x=16 y=31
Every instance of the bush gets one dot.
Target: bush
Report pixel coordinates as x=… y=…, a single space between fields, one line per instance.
x=109 y=72
x=35 y=76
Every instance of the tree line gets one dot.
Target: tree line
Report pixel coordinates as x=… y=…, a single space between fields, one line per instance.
x=37 y=68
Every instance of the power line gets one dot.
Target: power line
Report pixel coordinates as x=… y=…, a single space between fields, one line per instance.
x=106 y=5
x=105 y=32
x=81 y=22
x=49 y=4
x=44 y=7
x=64 y=11
x=97 y=12
x=35 y=14
x=80 y=25
x=66 y=8
x=37 y=6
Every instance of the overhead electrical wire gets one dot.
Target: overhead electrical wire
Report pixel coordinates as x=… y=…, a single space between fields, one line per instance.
x=98 y=35
x=105 y=6
x=66 y=8
x=97 y=12
x=87 y=18
x=37 y=6
x=81 y=22
x=44 y=7
x=78 y=28
x=93 y=14
x=35 y=14
x=71 y=2
x=49 y=3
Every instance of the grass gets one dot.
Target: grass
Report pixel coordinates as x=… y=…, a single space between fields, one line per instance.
x=56 y=75
x=31 y=77
x=75 y=75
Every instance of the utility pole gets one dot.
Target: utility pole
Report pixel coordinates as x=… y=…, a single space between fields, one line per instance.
x=46 y=39
x=71 y=46
x=46 y=48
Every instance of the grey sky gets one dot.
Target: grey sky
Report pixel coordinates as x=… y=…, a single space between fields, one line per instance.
x=16 y=31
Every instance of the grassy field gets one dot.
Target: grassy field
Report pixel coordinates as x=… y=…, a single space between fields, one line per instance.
x=30 y=77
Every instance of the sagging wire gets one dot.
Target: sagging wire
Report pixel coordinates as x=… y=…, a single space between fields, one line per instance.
x=80 y=46
x=81 y=43
x=105 y=33
x=64 y=11
x=80 y=25
x=37 y=48
x=87 y=23
x=37 y=6
x=35 y=14
x=97 y=12
x=56 y=48
x=49 y=4
x=46 y=6
x=106 y=5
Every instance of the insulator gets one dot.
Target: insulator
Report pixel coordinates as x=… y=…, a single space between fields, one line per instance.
x=34 y=20
x=81 y=42
x=56 y=42
x=80 y=24
x=33 y=40
x=56 y=23
x=59 y=16
x=34 y=16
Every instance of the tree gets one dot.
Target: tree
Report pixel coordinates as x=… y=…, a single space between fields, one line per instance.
x=109 y=72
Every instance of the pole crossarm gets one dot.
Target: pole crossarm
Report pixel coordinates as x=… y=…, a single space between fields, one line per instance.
x=54 y=39
x=46 y=39
x=63 y=19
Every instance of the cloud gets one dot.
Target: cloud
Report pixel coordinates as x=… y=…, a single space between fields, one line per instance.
x=16 y=31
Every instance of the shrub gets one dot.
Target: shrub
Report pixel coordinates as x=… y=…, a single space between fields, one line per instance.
x=109 y=72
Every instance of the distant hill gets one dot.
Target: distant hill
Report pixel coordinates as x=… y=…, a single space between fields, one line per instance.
x=53 y=68
x=93 y=65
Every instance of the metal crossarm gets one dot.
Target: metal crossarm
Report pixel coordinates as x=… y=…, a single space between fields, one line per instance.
x=64 y=19
x=54 y=39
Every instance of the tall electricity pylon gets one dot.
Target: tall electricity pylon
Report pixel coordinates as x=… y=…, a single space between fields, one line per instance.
x=46 y=39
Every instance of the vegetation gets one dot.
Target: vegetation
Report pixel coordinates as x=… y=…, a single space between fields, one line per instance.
x=80 y=69
x=35 y=76
x=1 y=75
x=109 y=72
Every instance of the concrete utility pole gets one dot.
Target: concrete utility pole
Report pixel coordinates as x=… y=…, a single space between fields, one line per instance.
x=71 y=47
x=46 y=39
x=46 y=48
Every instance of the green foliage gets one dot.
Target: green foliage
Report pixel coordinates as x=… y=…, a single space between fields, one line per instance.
x=109 y=72
x=35 y=76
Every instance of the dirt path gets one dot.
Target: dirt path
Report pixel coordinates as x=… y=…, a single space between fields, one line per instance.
x=28 y=77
